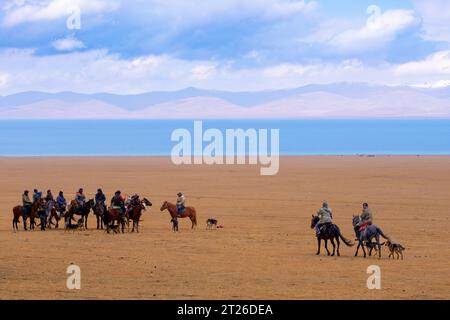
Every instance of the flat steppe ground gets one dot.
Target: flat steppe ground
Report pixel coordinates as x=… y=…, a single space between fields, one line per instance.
x=266 y=248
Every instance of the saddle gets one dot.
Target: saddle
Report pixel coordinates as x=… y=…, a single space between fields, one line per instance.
x=363 y=226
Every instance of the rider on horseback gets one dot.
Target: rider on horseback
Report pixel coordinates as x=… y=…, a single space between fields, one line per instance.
x=366 y=217
x=119 y=201
x=26 y=204
x=61 y=202
x=37 y=195
x=325 y=217
x=49 y=202
x=180 y=203
x=100 y=198
x=134 y=202
x=80 y=198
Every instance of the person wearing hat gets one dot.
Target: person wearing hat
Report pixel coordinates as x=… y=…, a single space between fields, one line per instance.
x=180 y=203
x=325 y=216
x=26 y=202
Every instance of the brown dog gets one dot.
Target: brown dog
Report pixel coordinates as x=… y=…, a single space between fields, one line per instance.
x=396 y=248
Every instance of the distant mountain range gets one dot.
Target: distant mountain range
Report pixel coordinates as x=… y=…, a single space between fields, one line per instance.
x=342 y=100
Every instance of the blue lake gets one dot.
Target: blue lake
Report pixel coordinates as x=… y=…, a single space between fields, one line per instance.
x=153 y=137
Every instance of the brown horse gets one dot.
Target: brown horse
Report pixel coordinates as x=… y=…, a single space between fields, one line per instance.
x=135 y=211
x=18 y=212
x=188 y=212
x=54 y=213
x=114 y=214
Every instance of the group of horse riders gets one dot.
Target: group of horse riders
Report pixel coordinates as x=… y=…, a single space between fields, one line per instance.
x=325 y=215
x=118 y=201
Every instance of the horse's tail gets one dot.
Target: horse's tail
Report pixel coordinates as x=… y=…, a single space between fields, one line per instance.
x=382 y=234
x=345 y=240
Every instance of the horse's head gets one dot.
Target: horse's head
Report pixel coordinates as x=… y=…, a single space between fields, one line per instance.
x=90 y=203
x=355 y=220
x=314 y=221
x=164 y=206
x=146 y=202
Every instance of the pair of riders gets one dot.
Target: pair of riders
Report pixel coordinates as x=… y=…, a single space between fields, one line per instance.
x=37 y=196
x=325 y=215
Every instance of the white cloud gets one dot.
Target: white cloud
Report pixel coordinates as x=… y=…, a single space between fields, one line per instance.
x=68 y=44
x=3 y=79
x=379 y=29
x=436 y=19
x=434 y=85
x=434 y=66
x=18 y=12
x=93 y=71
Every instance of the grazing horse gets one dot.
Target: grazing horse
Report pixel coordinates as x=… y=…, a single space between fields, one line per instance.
x=99 y=211
x=18 y=212
x=329 y=232
x=365 y=237
x=135 y=212
x=83 y=211
x=188 y=212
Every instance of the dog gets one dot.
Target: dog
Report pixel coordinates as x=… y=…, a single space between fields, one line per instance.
x=210 y=223
x=78 y=226
x=396 y=248
x=114 y=229
x=174 y=224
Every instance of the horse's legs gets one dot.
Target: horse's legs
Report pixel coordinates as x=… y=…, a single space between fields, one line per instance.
x=357 y=248
x=318 y=246
x=338 y=245
x=326 y=246
x=334 y=246
x=364 y=250
x=378 y=246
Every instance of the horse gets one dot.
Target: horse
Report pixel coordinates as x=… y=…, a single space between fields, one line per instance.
x=83 y=211
x=56 y=212
x=18 y=212
x=135 y=211
x=366 y=236
x=188 y=212
x=99 y=211
x=329 y=232
x=115 y=214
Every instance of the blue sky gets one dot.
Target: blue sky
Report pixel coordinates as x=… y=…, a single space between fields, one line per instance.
x=143 y=45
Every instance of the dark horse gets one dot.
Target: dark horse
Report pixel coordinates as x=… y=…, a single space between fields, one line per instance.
x=135 y=211
x=18 y=212
x=365 y=237
x=330 y=232
x=83 y=211
x=99 y=211
x=188 y=212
